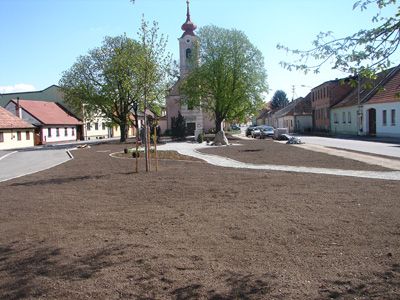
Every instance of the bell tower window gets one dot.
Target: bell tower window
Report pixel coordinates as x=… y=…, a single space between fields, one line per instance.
x=188 y=53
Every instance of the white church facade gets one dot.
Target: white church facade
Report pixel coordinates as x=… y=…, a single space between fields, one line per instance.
x=197 y=121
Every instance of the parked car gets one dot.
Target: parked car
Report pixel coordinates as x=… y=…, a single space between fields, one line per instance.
x=266 y=131
x=256 y=132
x=235 y=127
x=250 y=129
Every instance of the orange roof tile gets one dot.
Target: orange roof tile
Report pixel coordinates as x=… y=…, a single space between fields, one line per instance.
x=48 y=113
x=9 y=121
x=390 y=90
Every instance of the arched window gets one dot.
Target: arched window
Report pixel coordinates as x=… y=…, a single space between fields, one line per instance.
x=188 y=53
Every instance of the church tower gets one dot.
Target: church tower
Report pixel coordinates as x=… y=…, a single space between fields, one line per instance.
x=186 y=43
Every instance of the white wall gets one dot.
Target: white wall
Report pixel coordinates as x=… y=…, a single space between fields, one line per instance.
x=303 y=123
x=62 y=137
x=387 y=130
x=94 y=133
x=11 y=140
x=346 y=127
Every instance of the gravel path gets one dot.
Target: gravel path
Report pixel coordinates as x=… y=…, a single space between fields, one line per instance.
x=190 y=149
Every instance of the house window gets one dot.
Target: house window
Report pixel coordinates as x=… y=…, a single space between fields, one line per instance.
x=103 y=126
x=28 y=135
x=343 y=117
x=393 y=117
x=65 y=131
x=57 y=131
x=96 y=126
x=73 y=131
x=1 y=137
x=49 y=132
x=349 y=117
x=335 y=120
x=19 y=135
x=88 y=127
x=384 y=118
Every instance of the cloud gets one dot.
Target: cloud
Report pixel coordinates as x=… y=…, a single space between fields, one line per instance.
x=19 y=87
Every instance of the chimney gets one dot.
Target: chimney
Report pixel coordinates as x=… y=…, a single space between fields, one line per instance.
x=17 y=109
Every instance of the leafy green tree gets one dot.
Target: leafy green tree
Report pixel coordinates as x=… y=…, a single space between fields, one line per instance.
x=227 y=77
x=365 y=52
x=279 y=100
x=119 y=77
x=105 y=81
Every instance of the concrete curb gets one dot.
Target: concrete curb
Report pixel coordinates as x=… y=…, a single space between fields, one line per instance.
x=8 y=154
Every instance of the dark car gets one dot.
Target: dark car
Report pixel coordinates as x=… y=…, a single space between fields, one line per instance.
x=235 y=127
x=266 y=131
x=250 y=129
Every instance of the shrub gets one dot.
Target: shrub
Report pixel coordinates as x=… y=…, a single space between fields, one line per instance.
x=178 y=126
x=200 y=138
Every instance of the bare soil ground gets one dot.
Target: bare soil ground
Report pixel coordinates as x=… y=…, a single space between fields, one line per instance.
x=91 y=228
x=270 y=152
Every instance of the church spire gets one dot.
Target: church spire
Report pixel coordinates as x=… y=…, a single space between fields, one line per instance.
x=188 y=27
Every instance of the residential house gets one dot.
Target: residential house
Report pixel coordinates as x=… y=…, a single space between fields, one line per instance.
x=296 y=116
x=382 y=110
x=303 y=115
x=14 y=132
x=53 y=122
x=96 y=128
x=54 y=94
x=323 y=97
x=372 y=108
x=261 y=119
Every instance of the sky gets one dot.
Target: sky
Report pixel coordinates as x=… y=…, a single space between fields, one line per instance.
x=39 y=39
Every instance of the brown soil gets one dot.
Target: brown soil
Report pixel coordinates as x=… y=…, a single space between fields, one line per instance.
x=91 y=228
x=160 y=155
x=269 y=151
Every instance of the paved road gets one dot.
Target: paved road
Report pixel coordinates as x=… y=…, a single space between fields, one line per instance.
x=27 y=162
x=362 y=146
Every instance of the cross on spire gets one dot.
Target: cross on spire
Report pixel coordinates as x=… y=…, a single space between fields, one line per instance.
x=188 y=27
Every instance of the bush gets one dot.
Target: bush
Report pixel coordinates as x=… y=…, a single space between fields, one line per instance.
x=178 y=126
x=200 y=138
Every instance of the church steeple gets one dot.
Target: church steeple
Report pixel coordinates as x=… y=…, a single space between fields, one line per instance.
x=188 y=27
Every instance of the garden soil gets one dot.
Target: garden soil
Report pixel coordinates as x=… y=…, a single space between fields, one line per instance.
x=93 y=229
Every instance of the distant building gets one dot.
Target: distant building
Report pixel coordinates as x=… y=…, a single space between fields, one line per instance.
x=14 y=132
x=197 y=121
x=323 y=97
x=53 y=122
x=296 y=116
x=54 y=94
x=373 y=109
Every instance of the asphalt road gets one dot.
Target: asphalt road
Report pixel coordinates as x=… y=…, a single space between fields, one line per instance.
x=355 y=145
x=22 y=163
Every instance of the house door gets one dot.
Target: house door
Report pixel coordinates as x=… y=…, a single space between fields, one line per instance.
x=372 y=121
x=37 y=139
x=190 y=128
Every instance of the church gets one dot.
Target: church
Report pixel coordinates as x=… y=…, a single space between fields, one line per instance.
x=197 y=121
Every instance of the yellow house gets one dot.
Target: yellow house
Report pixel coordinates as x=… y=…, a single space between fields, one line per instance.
x=15 y=132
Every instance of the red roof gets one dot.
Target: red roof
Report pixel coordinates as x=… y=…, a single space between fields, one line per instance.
x=390 y=90
x=48 y=113
x=9 y=121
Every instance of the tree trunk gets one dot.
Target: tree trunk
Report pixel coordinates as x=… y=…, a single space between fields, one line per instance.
x=123 y=131
x=218 y=124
